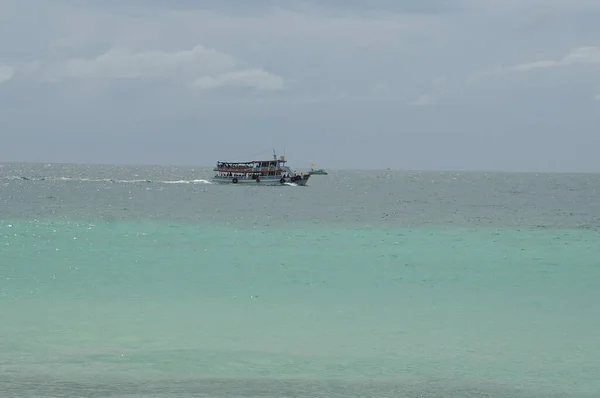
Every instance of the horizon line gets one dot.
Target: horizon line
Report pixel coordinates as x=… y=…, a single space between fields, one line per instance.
x=335 y=169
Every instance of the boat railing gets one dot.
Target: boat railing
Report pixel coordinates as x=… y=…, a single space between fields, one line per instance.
x=252 y=170
x=248 y=176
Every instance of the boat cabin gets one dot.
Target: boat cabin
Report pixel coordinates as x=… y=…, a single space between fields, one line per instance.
x=275 y=168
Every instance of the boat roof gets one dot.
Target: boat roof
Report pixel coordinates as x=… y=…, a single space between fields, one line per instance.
x=252 y=161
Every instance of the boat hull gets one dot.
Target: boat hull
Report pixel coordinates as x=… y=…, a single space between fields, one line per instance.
x=265 y=181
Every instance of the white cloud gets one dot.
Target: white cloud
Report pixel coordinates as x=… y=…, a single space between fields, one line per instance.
x=253 y=78
x=6 y=73
x=583 y=56
x=124 y=64
x=206 y=68
x=432 y=97
x=423 y=100
x=597 y=97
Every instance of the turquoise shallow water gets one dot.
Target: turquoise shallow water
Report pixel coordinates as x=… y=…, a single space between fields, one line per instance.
x=150 y=282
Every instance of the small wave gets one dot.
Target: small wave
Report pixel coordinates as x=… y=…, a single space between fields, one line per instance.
x=108 y=180
x=96 y=180
x=131 y=181
x=186 y=182
x=15 y=178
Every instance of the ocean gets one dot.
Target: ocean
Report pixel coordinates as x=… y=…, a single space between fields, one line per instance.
x=148 y=281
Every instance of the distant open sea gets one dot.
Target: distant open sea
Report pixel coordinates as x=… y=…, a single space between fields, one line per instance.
x=152 y=282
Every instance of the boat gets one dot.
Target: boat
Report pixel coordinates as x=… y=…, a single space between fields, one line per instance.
x=258 y=172
x=317 y=171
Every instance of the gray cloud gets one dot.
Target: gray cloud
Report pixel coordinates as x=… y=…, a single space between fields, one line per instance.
x=330 y=6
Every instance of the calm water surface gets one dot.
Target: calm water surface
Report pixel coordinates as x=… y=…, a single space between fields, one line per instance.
x=151 y=282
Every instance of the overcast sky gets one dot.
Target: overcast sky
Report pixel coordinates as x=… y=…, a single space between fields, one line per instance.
x=412 y=84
